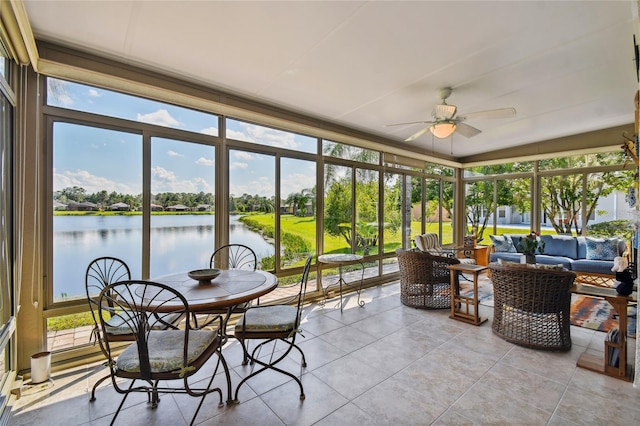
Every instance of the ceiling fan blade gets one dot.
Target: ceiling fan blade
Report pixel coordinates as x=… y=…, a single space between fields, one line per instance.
x=466 y=130
x=490 y=113
x=417 y=134
x=406 y=124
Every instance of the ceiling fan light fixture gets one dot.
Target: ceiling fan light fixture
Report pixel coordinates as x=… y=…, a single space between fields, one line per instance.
x=443 y=130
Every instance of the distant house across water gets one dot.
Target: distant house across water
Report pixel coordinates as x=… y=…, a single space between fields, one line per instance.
x=178 y=208
x=84 y=206
x=122 y=207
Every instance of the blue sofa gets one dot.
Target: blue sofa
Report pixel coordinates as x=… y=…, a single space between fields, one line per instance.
x=590 y=258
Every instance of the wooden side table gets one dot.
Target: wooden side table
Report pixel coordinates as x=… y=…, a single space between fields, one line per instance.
x=596 y=363
x=465 y=308
x=481 y=255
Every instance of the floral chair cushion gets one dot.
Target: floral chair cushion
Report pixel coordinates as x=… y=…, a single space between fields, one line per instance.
x=166 y=350
x=268 y=318
x=503 y=243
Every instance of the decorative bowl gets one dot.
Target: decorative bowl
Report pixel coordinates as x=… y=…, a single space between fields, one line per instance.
x=204 y=275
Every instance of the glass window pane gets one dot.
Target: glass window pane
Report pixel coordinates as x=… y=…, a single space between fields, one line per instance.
x=447 y=207
x=609 y=209
x=479 y=207
x=392 y=212
x=182 y=206
x=337 y=209
x=262 y=135
x=438 y=169
x=500 y=169
x=97 y=187
x=6 y=209
x=297 y=211
x=367 y=212
x=561 y=203
x=350 y=152
x=433 y=210
x=80 y=97
x=514 y=207
x=252 y=204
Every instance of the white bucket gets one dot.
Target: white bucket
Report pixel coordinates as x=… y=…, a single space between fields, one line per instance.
x=40 y=367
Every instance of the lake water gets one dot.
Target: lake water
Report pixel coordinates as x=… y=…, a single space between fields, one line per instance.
x=178 y=243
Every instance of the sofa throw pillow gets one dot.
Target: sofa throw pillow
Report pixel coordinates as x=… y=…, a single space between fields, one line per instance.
x=602 y=248
x=503 y=244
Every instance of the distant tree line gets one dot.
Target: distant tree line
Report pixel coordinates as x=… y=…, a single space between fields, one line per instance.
x=104 y=199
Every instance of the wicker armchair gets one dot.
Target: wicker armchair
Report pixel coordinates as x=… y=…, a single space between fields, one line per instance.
x=532 y=306
x=424 y=279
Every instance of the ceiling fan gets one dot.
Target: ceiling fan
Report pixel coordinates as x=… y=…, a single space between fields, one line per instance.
x=445 y=121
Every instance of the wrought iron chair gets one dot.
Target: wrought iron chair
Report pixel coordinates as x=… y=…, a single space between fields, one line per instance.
x=101 y=272
x=172 y=355
x=230 y=256
x=273 y=323
x=234 y=256
x=425 y=279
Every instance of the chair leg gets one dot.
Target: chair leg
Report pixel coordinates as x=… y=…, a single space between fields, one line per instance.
x=272 y=366
x=126 y=394
x=93 y=390
x=225 y=366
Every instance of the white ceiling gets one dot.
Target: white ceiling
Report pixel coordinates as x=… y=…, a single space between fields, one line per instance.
x=566 y=67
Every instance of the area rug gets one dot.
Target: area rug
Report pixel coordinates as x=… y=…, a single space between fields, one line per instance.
x=485 y=290
x=598 y=314
x=587 y=312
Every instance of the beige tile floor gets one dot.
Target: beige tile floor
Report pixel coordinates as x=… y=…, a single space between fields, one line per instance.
x=384 y=364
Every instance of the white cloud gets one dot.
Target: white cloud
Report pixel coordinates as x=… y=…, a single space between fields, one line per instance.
x=171 y=153
x=213 y=131
x=166 y=181
x=296 y=182
x=91 y=183
x=271 y=137
x=205 y=161
x=262 y=187
x=163 y=175
x=161 y=118
x=94 y=93
x=242 y=155
x=238 y=165
x=241 y=136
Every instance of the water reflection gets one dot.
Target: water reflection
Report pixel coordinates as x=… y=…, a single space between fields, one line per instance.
x=178 y=243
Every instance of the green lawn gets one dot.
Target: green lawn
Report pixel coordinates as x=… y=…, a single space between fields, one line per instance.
x=305 y=227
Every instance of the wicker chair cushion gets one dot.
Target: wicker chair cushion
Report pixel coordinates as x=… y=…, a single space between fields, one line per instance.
x=428 y=242
x=557 y=267
x=268 y=319
x=602 y=249
x=166 y=350
x=503 y=243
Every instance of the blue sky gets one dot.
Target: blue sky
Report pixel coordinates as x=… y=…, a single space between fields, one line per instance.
x=97 y=159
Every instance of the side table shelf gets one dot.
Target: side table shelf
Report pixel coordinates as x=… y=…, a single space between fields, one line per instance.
x=601 y=364
x=465 y=308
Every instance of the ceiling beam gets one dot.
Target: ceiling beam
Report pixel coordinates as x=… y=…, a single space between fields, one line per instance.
x=604 y=140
